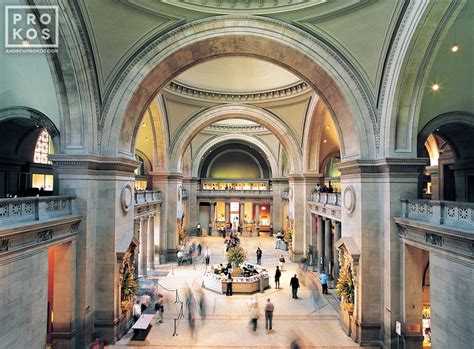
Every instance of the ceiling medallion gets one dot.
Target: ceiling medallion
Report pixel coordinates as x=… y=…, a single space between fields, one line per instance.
x=255 y=7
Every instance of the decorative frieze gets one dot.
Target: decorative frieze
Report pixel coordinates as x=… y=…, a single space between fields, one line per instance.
x=4 y=245
x=44 y=235
x=434 y=239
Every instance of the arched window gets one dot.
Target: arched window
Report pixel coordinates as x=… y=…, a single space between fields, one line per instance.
x=44 y=147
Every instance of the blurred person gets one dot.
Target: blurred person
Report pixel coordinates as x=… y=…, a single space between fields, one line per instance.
x=324 y=282
x=259 y=256
x=159 y=307
x=281 y=262
x=202 y=306
x=254 y=315
x=191 y=310
x=137 y=310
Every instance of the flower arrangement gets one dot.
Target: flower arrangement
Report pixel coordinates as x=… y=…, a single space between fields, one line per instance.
x=345 y=285
x=129 y=285
x=236 y=255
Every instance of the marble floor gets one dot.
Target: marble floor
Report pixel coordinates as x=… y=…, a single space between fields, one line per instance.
x=312 y=319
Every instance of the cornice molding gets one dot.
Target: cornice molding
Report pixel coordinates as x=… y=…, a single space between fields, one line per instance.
x=93 y=162
x=383 y=166
x=251 y=97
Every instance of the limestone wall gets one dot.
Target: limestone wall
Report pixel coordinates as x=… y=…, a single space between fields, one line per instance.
x=452 y=299
x=23 y=302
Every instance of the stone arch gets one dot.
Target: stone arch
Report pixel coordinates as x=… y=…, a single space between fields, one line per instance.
x=413 y=50
x=459 y=138
x=322 y=67
x=36 y=117
x=196 y=123
x=241 y=138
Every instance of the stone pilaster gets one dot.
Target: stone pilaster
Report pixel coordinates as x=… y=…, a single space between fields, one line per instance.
x=278 y=184
x=156 y=239
x=142 y=248
x=227 y=212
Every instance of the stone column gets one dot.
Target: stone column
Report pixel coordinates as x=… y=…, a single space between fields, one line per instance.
x=156 y=239
x=227 y=212
x=320 y=247
x=168 y=184
x=434 y=174
x=241 y=213
x=212 y=213
x=337 y=236
x=277 y=210
x=151 y=243
x=257 y=213
x=142 y=248
x=328 y=248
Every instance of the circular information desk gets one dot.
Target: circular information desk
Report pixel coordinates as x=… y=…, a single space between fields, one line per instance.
x=240 y=284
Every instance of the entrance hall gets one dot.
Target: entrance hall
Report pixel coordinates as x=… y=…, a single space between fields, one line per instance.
x=313 y=316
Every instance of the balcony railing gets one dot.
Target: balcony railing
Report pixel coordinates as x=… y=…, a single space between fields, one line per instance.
x=147 y=196
x=333 y=199
x=219 y=193
x=448 y=213
x=15 y=210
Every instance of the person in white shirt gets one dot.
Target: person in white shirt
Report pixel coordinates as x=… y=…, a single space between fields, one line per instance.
x=137 y=311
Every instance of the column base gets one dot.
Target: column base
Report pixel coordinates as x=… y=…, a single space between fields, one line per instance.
x=366 y=333
x=111 y=331
x=63 y=340
x=171 y=255
x=413 y=341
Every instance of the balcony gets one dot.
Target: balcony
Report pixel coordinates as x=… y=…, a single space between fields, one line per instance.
x=15 y=210
x=146 y=202
x=147 y=196
x=230 y=194
x=326 y=205
x=333 y=199
x=31 y=223
x=438 y=225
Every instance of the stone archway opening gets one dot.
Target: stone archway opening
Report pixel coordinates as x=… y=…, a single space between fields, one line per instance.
x=268 y=40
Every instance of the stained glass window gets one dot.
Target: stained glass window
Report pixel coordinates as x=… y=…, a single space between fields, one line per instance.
x=43 y=148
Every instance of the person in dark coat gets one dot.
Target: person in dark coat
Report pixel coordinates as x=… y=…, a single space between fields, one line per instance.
x=295 y=284
x=259 y=256
x=277 y=277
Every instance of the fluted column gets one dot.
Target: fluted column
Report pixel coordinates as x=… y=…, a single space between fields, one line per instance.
x=157 y=244
x=151 y=243
x=257 y=213
x=337 y=236
x=212 y=213
x=320 y=240
x=328 y=246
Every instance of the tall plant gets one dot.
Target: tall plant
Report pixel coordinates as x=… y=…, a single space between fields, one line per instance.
x=345 y=285
x=236 y=255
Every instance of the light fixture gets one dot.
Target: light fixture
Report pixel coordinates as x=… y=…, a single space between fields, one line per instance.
x=146 y=139
x=327 y=127
x=435 y=87
x=144 y=124
x=455 y=48
x=325 y=141
x=263 y=208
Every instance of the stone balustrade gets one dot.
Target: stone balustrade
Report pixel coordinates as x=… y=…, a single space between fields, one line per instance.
x=333 y=199
x=234 y=193
x=24 y=209
x=459 y=215
x=147 y=196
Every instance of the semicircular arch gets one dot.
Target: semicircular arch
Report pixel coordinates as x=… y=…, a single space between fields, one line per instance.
x=233 y=138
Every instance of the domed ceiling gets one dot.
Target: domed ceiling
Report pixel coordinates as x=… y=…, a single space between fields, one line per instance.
x=237 y=75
